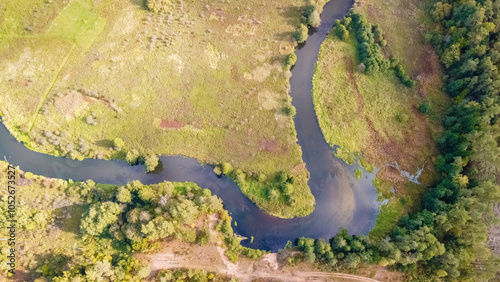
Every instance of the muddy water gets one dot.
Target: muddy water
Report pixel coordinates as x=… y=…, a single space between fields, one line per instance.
x=341 y=200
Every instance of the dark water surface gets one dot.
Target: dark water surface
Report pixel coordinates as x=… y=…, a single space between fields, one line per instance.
x=341 y=200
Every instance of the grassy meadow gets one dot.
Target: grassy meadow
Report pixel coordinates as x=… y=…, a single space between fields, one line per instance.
x=375 y=117
x=199 y=79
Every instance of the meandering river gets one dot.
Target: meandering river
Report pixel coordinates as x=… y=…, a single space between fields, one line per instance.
x=341 y=200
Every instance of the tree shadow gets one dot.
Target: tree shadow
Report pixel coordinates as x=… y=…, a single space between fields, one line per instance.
x=140 y=3
x=54 y=264
x=105 y=143
x=292 y=14
x=69 y=224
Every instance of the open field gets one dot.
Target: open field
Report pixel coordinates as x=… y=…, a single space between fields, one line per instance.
x=375 y=116
x=199 y=79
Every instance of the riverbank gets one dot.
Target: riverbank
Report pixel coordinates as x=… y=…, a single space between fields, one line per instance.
x=77 y=76
x=342 y=200
x=375 y=117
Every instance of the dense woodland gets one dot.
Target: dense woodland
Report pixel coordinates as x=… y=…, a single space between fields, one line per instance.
x=447 y=237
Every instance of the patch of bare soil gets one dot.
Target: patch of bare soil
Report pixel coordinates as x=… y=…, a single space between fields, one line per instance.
x=69 y=103
x=167 y=124
x=372 y=11
x=270 y=145
x=385 y=275
x=392 y=175
x=177 y=254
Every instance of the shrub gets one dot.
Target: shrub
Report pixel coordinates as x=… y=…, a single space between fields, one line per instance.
x=377 y=33
x=424 y=108
x=291 y=59
x=301 y=34
x=314 y=19
x=132 y=157
x=227 y=168
x=341 y=31
x=240 y=176
x=118 y=143
x=402 y=118
x=273 y=194
x=158 y=5
x=262 y=177
x=289 y=111
x=358 y=173
x=151 y=162
x=217 y=170
x=28 y=175
x=203 y=237
x=403 y=77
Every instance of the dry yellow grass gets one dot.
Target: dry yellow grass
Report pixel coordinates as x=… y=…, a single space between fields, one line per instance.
x=202 y=64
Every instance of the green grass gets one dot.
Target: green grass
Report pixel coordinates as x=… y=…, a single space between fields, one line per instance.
x=221 y=94
x=388 y=218
x=75 y=20
x=374 y=119
x=17 y=15
x=360 y=112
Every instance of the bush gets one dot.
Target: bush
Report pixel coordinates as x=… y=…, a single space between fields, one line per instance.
x=151 y=162
x=118 y=143
x=301 y=34
x=424 y=108
x=203 y=237
x=132 y=157
x=289 y=111
x=158 y=5
x=402 y=118
x=262 y=177
x=291 y=59
x=227 y=168
x=341 y=31
x=314 y=19
x=403 y=77
x=217 y=170
x=358 y=173
x=377 y=33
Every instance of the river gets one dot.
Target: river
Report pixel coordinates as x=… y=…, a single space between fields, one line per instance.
x=341 y=200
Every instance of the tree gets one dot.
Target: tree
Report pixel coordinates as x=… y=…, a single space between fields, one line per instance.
x=301 y=34
x=184 y=211
x=341 y=31
x=118 y=143
x=217 y=170
x=314 y=19
x=123 y=195
x=99 y=272
x=146 y=193
x=291 y=59
x=132 y=157
x=158 y=228
x=227 y=168
x=98 y=217
x=151 y=162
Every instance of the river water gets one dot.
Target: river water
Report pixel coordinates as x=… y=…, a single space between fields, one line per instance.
x=341 y=200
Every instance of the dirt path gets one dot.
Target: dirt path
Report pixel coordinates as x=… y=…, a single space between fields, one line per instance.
x=248 y=270
x=176 y=254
